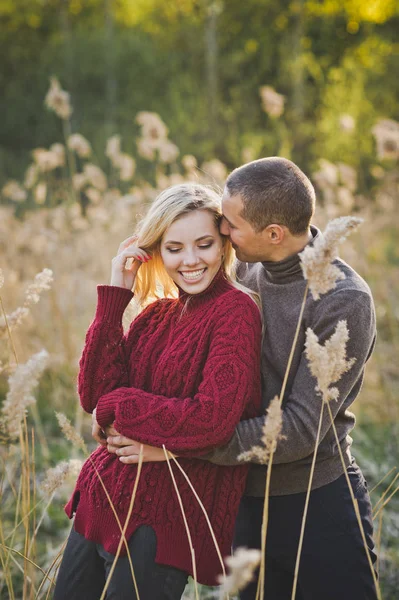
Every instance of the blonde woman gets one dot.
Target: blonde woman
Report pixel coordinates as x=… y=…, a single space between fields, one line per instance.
x=184 y=375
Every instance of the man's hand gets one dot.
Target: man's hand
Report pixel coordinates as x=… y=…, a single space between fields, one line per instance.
x=128 y=450
x=96 y=431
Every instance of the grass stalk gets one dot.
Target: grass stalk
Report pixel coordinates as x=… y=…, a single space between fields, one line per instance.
x=47 y=574
x=119 y=525
x=378 y=540
x=123 y=536
x=355 y=505
x=305 y=510
x=6 y=573
x=383 y=496
x=8 y=331
x=32 y=562
x=382 y=480
x=203 y=510
x=185 y=524
x=386 y=502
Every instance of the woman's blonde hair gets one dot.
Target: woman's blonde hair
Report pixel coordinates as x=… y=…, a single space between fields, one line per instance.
x=152 y=281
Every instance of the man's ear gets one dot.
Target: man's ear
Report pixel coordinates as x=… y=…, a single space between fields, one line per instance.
x=275 y=233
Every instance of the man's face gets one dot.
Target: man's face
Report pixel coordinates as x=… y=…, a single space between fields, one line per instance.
x=249 y=245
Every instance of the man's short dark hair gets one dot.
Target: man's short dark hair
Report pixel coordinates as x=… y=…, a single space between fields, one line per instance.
x=273 y=190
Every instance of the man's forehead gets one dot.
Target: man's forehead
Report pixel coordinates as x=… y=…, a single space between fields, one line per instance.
x=232 y=201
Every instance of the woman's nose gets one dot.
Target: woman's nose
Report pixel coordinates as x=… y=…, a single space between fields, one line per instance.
x=190 y=258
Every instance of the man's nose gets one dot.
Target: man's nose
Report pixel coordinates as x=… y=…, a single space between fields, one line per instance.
x=224 y=227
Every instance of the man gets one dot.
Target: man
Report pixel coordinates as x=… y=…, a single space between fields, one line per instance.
x=268 y=205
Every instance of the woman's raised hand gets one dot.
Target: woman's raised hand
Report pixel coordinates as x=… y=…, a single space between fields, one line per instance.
x=121 y=275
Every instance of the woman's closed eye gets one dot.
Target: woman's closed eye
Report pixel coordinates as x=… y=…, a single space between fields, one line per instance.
x=202 y=247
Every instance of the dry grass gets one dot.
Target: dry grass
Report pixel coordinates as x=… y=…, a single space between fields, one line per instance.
x=81 y=215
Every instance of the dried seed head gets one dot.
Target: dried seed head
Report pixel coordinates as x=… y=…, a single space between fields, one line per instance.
x=316 y=260
x=95 y=176
x=58 y=100
x=70 y=432
x=242 y=565
x=56 y=476
x=41 y=283
x=19 y=396
x=271 y=434
x=14 y=191
x=273 y=103
x=328 y=363
x=80 y=145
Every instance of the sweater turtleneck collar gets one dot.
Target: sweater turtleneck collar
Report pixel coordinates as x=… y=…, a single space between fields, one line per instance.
x=218 y=285
x=288 y=269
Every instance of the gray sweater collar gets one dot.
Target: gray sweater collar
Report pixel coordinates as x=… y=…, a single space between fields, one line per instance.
x=289 y=269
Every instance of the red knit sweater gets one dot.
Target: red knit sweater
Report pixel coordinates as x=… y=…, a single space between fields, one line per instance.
x=182 y=378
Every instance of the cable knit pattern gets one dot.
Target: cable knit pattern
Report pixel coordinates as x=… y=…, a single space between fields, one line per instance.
x=184 y=375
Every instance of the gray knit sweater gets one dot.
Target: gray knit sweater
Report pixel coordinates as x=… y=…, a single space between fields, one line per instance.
x=281 y=287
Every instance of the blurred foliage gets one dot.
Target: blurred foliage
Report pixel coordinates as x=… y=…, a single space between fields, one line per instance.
x=200 y=64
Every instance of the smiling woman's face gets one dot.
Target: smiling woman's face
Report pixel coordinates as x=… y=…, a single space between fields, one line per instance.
x=191 y=251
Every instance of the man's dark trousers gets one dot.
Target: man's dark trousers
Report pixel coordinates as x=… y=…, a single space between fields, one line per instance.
x=334 y=564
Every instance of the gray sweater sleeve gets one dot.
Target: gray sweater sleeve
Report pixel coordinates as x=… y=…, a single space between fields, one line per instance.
x=302 y=406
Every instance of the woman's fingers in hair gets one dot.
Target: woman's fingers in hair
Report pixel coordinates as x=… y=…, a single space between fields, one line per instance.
x=132 y=252
x=127 y=242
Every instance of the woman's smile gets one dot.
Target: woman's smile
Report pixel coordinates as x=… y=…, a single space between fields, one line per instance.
x=193 y=276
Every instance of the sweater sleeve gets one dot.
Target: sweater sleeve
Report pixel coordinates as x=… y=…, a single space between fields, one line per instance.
x=103 y=365
x=302 y=406
x=230 y=383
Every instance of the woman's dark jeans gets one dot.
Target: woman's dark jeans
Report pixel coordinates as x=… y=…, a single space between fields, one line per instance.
x=85 y=567
x=333 y=562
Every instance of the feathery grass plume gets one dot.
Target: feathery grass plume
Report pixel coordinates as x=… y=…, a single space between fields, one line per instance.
x=125 y=164
x=14 y=191
x=328 y=363
x=70 y=432
x=168 y=152
x=386 y=133
x=242 y=565
x=346 y=123
x=113 y=147
x=40 y=193
x=316 y=260
x=41 y=283
x=48 y=160
x=56 y=476
x=1 y=278
x=19 y=396
x=95 y=176
x=152 y=126
x=272 y=102
x=271 y=434
x=93 y=195
x=58 y=100
x=189 y=162
x=79 y=144
x=79 y=180
x=127 y=167
x=14 y=319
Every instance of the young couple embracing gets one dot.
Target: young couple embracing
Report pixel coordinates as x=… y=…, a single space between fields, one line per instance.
x=194 y=373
